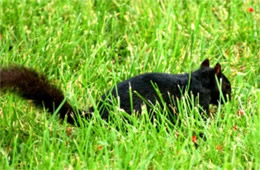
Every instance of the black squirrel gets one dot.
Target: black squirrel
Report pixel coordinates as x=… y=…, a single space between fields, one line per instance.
x=203 y=82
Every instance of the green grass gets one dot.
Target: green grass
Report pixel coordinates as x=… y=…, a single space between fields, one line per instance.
x=85 y=47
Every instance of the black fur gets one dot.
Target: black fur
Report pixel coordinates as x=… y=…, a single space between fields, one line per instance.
x=33 y=86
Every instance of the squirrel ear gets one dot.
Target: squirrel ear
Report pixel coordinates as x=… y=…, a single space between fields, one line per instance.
x=205 y=63
x=217 y=69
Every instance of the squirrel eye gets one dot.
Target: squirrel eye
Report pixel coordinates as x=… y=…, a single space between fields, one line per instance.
x=228 y=86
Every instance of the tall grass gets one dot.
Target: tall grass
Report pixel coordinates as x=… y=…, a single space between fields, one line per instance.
x=85 y=47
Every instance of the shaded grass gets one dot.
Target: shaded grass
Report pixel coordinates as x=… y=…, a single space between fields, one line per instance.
x=85 y=47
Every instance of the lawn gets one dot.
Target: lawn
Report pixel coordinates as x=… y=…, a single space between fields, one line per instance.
x=87 y=46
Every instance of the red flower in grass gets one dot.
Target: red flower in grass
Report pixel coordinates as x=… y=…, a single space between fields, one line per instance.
x=235 y=128
x=194 y=139
x=250 y=9
x=99 y=147
x=219 y=147
x=240 y=112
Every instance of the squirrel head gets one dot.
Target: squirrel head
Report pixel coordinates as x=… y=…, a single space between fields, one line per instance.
x=218 y=82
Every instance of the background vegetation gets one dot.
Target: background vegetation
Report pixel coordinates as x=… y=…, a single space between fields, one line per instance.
x=86 y=46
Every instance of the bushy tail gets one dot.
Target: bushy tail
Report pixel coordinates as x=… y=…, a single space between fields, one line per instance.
x=30 y=85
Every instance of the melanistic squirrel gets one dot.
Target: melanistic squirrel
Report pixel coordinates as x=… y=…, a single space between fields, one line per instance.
x=131 y=93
